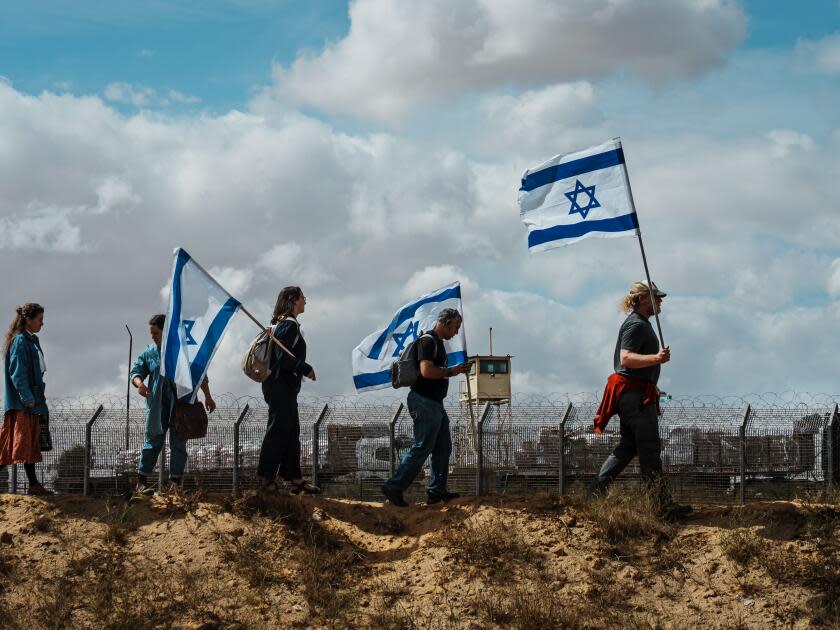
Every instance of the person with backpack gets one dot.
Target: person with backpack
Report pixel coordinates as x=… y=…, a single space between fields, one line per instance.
x=160 y=408
x=25 y=405
x=280 y=451
x=431 y=423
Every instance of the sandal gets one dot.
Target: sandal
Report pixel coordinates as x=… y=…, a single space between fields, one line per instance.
x=305 y=487
x=36 y=489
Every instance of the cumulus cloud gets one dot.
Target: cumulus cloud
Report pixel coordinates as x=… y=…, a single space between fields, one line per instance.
x=45 y=230
x=364 y=221
x=144 y=96
x=822 y=55
x=400 y=54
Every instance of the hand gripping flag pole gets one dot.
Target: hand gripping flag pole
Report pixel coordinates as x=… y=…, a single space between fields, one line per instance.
x=641 y=247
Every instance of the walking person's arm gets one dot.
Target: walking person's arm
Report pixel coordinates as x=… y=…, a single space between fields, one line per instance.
x=430 y=371
x=208 y=399
x=634 y=360
x=19 y=370
x=139 y=372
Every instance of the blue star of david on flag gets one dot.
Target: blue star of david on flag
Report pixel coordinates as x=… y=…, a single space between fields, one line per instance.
x=558 y=201
x=401 y=339
x=572 y=196
x=188 y=338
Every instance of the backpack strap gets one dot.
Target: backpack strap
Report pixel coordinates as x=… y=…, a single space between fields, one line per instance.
x=297 y=327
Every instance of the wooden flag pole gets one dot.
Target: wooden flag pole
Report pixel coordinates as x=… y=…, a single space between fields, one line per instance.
x=273 y=338
x=642 y=248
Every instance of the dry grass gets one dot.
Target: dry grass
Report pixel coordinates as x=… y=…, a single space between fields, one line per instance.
x=282 y=535
x=491 y=543
x=388 y=524
x=119 y=522
x=257 y=555
x=817 y=568
x=627 y=514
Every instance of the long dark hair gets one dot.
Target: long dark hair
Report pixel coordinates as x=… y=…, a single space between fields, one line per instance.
x=30 y=310
x=285 y=303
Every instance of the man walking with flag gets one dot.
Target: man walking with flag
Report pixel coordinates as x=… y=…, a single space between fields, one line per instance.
x=584 y=194
x=431 y=423
x=631 y=391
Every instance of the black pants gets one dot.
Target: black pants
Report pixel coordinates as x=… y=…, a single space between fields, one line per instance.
x=281 y=444
x=639 y=436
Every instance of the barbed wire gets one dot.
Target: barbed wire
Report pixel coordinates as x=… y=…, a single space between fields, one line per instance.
x=790 y=400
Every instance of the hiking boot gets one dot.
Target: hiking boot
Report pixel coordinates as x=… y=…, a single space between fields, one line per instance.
x=439 y=497
x=394 y=497
x=37 y=490
x=144 y=488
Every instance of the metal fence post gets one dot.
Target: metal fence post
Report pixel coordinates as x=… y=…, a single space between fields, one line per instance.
x=392 y=450
x=316 y=443
x=236 y=448
x=88 y=432
x=829 y=441
x=742 y=455
x=479 y=464
x=561 y=485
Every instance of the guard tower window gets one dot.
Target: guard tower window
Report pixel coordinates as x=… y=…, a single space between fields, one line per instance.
x=489 y=366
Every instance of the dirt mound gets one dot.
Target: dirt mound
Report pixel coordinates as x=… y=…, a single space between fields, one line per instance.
x=193 y=561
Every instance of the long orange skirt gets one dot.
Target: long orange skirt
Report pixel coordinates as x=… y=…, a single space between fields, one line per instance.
x=20 y=438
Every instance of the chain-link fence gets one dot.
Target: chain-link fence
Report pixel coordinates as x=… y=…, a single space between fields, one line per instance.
x=713 y=449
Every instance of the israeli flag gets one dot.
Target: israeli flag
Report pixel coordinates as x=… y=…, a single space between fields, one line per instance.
x=373 y=357
x=198 y=317
x=577 y=195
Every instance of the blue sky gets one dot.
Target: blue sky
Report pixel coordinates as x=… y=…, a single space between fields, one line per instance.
x=221 y=51
x=371 y=152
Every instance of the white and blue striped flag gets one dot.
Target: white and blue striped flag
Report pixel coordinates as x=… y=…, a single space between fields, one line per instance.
x=577 y=195
x=200 y=311
x=373 y=357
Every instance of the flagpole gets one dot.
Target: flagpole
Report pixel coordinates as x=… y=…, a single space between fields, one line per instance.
x=467 y=375
x=273 y=338
x=128 y=388
x=641 y=246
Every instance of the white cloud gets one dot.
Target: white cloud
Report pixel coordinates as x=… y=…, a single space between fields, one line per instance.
x=822 y=55
x=833 y=284
x=234 y=281
x=364 y=221
x=44 y=230
x=401 y=54
x=143 y=96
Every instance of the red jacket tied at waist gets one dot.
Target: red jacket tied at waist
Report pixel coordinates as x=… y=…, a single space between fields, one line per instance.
x=617 y=384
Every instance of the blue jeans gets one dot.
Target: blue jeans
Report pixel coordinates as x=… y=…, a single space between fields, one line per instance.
x=639 y=436
x=431 y=437
x=151 y=450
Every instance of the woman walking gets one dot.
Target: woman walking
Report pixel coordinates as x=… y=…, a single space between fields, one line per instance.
x=281 y=444
x=24 y=402
x=160 y=403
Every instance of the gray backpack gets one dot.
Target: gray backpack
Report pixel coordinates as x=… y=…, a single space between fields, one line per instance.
x=256 y=362
x=406 y=370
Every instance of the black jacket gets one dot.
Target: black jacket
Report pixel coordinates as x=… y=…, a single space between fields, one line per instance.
x=286 y=371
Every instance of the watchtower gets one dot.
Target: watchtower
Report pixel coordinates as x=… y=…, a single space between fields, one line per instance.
x=489 y=380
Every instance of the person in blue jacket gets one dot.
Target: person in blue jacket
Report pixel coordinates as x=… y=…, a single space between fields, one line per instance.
x=280 y=450
x=160 y=402
x=24 y=401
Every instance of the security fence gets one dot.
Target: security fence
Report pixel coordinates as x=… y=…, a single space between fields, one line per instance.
x=713 y=449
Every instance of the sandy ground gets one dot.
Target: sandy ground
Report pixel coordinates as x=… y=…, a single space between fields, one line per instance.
x=195 y=561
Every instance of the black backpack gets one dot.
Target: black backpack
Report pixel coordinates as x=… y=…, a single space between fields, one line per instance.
x=406 y=370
